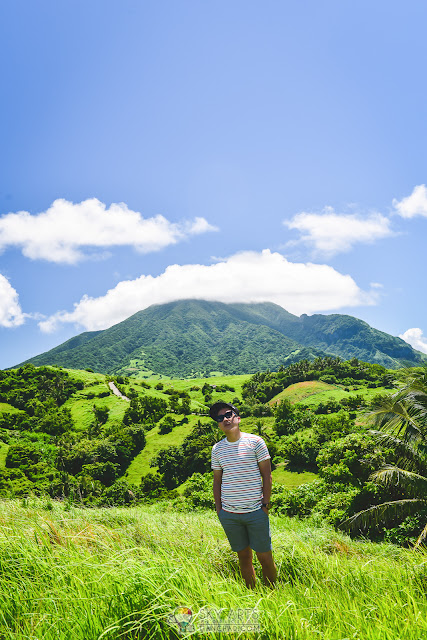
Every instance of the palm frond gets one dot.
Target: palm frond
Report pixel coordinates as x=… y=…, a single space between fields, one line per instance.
x=411 y=483
x=399 y=418
x=409 y=457
x=384 y=513
x=416 y=379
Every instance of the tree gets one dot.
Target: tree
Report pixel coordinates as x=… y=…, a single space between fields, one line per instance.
x=401 y=421
x=185 y=405
x=167 y=424
x=283 y=416
x=174 y=403
x=145 y=409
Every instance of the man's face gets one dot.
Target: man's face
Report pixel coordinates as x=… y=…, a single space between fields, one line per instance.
x=228 y=423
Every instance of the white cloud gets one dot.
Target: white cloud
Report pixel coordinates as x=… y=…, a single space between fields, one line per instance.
x=330 y=233
x=243 y=277
x=415 y=338
x=10 y=311
x=413 y=205
x=59 y=233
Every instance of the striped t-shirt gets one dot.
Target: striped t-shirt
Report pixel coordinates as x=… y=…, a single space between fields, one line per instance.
x=241 y=486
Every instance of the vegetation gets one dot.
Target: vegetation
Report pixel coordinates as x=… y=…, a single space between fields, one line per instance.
x=63 y=434
x=48 y=454
x=92 y=574
x=402 y=423
x=67 y=443
x=178 y=463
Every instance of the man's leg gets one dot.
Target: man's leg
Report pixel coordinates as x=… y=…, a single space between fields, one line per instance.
x=258 y=525
x=246 y=567
x=269 y=571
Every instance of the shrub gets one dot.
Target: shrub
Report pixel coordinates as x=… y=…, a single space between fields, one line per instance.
x=299 y=501
x=199 y=492
x=152 y=488
x=167 y=424
x=120 y=493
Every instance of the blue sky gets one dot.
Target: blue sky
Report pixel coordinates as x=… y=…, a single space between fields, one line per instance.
x=238 y=151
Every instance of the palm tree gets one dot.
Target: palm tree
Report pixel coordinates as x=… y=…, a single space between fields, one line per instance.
x=401 y=423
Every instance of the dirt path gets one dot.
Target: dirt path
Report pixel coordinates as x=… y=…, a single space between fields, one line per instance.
x=117 y=392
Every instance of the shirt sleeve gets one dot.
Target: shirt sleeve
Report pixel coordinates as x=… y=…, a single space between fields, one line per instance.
x=214 y=460
x=261 y=451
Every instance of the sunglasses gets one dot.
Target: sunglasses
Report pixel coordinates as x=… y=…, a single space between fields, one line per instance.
x=227 y=414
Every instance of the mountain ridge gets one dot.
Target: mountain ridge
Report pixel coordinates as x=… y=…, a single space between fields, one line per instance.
x=197 y=337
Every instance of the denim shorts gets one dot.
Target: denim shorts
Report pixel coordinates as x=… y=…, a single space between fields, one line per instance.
x=247 y=530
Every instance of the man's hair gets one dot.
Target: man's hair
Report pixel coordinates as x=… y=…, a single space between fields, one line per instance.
x=213 y=411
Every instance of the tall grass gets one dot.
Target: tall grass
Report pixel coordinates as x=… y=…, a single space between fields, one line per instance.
x=118 y=573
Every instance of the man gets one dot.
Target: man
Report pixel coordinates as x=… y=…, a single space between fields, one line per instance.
x=242 y=489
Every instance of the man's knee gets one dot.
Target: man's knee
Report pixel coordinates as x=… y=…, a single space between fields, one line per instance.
x=245 y=554
x=265 y=557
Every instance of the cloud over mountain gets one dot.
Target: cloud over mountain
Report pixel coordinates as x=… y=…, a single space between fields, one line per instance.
x=243 y=277
x=61 y=233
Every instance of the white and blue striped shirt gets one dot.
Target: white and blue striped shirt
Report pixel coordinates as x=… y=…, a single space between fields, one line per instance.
x=241 y=486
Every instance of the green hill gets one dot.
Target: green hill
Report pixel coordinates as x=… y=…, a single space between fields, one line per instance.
x=191 y=338
x=313 y=392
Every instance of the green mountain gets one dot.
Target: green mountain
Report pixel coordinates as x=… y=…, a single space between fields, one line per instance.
x=196 y=337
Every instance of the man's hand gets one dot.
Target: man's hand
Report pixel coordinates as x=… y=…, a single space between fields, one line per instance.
x=265 y=471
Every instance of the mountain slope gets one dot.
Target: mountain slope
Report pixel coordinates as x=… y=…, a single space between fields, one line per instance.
x=191 y=337
x=349 y=337
x=183 y=338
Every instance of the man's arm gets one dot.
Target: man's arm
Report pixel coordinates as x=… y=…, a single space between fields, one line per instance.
x=267 y=480
x=217 y=480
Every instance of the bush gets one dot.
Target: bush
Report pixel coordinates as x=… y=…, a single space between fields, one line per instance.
x=333 y=507
x=301 y=451
x=299 y=501
x=353 y=457
x=407 y=532
x=199 y=492
x=167 y=424
x=15 y=484
x=120 y=493
x=152 y=488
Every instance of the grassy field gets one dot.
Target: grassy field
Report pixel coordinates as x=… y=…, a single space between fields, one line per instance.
x=313 y=392
x=193 y=387
x=88 y=377
x=140 y=465
x=74 y=574
x=82 y=408
x=291 y=479
x=7 y=408
x=300 y=391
